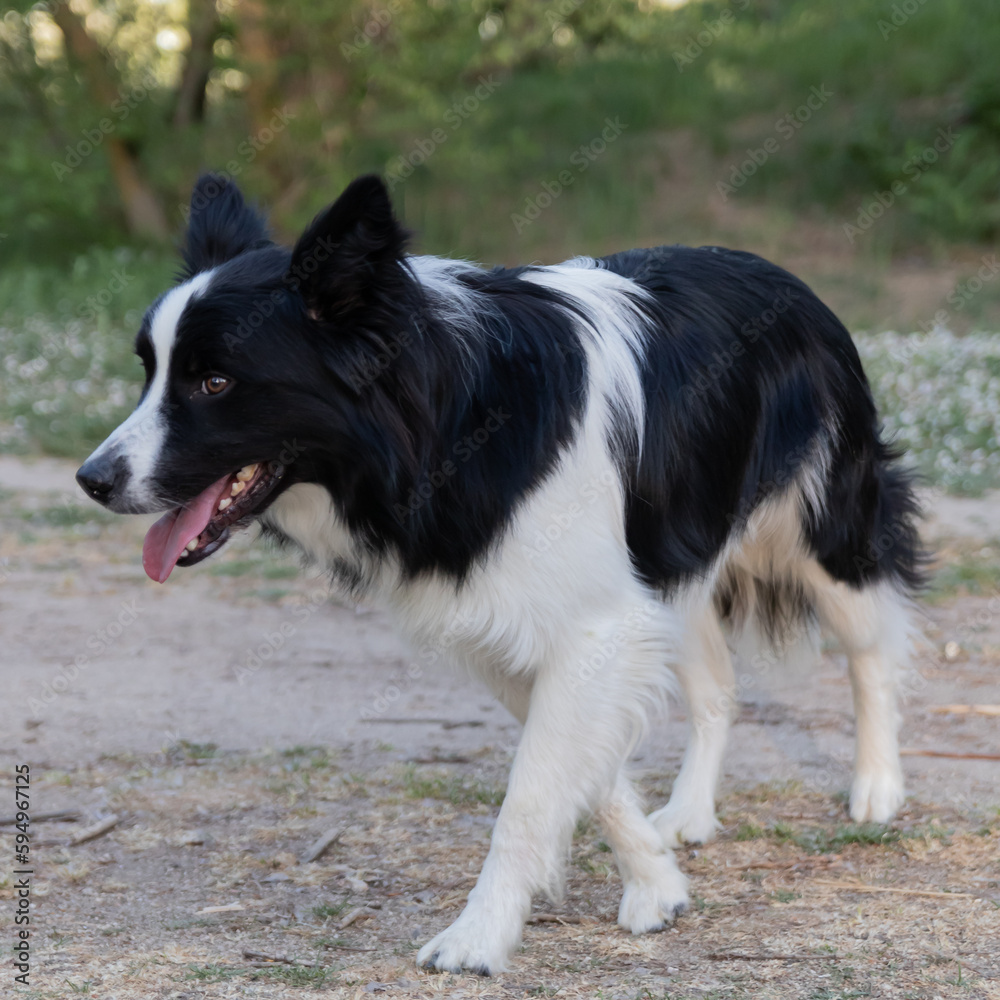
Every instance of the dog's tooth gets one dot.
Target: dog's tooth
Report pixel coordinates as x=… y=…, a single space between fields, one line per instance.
x=192 y=545
x=237 y=489
x=224 y=503
x=246 y=472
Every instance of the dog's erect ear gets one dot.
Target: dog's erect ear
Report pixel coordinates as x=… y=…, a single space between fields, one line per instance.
x=221 y=225
x=350 y=252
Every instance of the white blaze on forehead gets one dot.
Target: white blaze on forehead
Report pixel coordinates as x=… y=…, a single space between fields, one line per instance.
x=139 y=439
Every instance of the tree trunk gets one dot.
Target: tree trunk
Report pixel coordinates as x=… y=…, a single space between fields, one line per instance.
x=203 y=25
x=144 y=214
x=260 y=60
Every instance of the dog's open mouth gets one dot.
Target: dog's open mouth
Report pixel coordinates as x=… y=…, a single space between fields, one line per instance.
x=188 y=534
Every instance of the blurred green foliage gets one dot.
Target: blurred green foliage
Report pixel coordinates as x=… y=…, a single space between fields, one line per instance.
x=610 y=122
x=369 y=85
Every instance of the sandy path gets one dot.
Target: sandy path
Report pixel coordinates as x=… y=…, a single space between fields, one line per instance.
x=109 y=678
x=234 y=661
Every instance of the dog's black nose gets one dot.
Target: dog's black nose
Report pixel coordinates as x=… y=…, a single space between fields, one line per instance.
x=97 y=476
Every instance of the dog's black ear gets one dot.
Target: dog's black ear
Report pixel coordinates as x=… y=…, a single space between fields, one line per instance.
x=221 y=225
x=350 y=252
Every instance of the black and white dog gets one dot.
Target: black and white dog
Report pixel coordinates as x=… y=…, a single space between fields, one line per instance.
x=578 y=479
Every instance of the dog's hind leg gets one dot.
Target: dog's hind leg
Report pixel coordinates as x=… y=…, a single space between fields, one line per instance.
x=872 y=623
x=705 y=670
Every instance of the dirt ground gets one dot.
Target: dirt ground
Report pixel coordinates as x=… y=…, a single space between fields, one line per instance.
x=231 y=717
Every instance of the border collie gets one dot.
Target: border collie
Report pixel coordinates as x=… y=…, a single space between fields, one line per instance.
x=580 y=480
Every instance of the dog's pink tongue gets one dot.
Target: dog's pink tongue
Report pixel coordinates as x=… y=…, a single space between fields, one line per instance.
x=168 y=538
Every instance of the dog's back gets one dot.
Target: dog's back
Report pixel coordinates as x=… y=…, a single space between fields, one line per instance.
x=753 y=386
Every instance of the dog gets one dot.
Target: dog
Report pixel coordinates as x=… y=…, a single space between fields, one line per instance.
x=583 y=481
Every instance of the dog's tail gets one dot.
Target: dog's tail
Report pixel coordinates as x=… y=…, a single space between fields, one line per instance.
x=859 y=525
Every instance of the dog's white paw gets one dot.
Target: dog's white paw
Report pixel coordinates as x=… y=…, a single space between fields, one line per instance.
x=685 y=825
x=654 y=903
x=474 y=942
x=876 y=796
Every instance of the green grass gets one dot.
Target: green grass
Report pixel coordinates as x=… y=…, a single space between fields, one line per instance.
x=817 y=840
x=966 y=573
x=927 y=832
x=193 y=751
x=281 y=572
x=271 y=594
x=326 y=911
x=296 y=976
x=238 y=567
x=784 y=895
x=183 y=925
x=454 y=788
x=593 y=866
x=298 y=758
x=890 y=96
x=69 y=515
x=212 y=973
x=330 y=942
x=304 y=750
x=246 y=567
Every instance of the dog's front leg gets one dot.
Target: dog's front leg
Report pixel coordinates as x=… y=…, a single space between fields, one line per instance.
x=570 y=752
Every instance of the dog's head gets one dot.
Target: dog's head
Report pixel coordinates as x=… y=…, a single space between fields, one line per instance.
x=250 y=367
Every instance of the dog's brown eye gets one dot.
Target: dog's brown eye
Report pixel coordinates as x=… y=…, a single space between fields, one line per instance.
x=214 y=384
